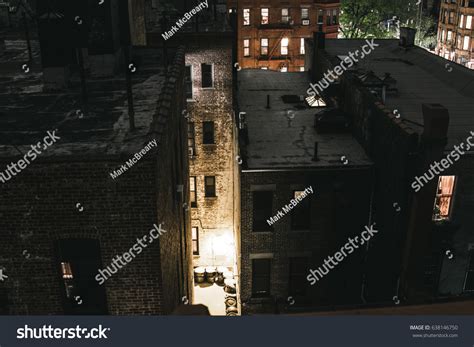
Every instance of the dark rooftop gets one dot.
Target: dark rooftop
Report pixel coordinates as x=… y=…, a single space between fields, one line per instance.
x=284 y=136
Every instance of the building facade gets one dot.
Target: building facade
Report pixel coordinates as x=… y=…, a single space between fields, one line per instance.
x=456 y=32
x=271 y=34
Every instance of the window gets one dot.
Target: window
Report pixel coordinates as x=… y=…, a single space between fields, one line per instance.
x=246 y=48
x=264 y=12
x=301 y=214
x=262 y=210
x=285 y=17
x=191 y=140
x=264 y=46
x=305 y=16
x=444 y=198
x=461 y=21
x=302 y=46
x=469 y=22
x=320 y=16
x=431 y=266
x=297 y=276
x=451 y=17
x=334 y=17
x=328 y=17
x=284 y=68
x=78 y=261
x=246 y=16
x=450 y=35
x=208 y=133
x=192 y=191
x=188 y=80
x=210 y=186
x=466 y=43
x=469 y=281
x=195 y=240
x=206 y=75
x=284 y=46
x=302 y=68
x=261 y=277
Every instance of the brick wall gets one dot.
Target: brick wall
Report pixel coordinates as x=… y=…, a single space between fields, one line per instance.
x=339 y=209
x=38 y=207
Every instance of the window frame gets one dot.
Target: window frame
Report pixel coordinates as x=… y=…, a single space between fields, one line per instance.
x=262 y=46
x=206 y=138
x=266 y=277
x=192 y=138
x=246 y=47
x=261 y=225
x=193 y=192
x=262 y=16
x=212 y=76
x=282 y=47
x=210 y=193
x=195 y=240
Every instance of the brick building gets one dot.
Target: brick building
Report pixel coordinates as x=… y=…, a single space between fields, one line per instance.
x=212 y=149
x=64 y=218
x=271 y=34
x=426 y=243
x=286 y=149
x=456 y=32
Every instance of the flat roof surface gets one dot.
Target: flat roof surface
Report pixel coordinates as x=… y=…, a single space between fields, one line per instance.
x=281 y=140
x=422 y=77
x=28 y=111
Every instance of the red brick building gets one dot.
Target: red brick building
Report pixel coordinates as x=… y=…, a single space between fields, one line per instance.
x=271 y=33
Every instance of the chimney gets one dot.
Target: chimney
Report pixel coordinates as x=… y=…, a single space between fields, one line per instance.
x=315 y=157
x=407 y=37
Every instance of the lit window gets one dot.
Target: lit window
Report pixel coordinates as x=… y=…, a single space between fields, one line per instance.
x=305 y=16
x=469 y=22
x=466 y=43
x=264 y=12
x=191 y=140
x=192 y=191
x=264 y=46
x=264 y=68
x=285 y=17
x=66 y=271
x=444 y=198
x=284 y=69
x=210 y=186
x=284 y=46
x=461 y=21
x=302 y=46
x=450 y=35
x=195 y=240
x=302 y=68
x=246 y=48
x=246 y=16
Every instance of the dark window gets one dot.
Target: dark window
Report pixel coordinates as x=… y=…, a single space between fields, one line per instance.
x=297 y=276
x=320 y=16
x=188 y=80
x=432 y=265
x=208 y=133
x=261 y=277
x=191 y=139
x=301 y=214
x=192 y=191
x=79 y=262
x=195 y=238
x=334 y=17
x=262 y=210
x=328 y=17
x=210 y=186
x=206 y=75
x=469 y=285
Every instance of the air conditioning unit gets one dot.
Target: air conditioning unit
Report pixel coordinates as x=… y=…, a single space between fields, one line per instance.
x=305 y=21
x=191 y=151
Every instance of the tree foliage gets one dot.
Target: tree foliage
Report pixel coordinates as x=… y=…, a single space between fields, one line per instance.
x=382 y=19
